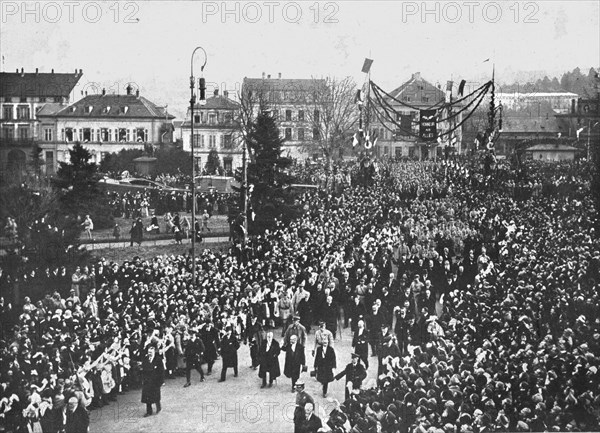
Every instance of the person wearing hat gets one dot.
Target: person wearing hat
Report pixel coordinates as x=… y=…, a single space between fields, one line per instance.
x=302 y=397
x=322 y=336
x=77 y=417
x=212 y=343
x=229 y=348
x=294 y=359
x=355 y=373
x=194 y=350
x=297 y=329
x=360 y=342
x=325 y=363
x=152 y=374
x=269 y=360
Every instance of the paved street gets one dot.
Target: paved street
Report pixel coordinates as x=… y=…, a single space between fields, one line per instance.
x=238 y=405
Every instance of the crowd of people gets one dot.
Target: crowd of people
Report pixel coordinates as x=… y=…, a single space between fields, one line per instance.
x=479 y=305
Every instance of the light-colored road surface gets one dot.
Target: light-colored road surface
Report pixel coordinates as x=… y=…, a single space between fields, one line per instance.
x=236 y=405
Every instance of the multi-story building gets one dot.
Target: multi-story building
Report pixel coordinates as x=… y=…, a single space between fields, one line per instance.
x=582 y=124
x=291 y=102
x=560 y=102
x=414 y=95
x=214 y=129
x=23 y=96
x=104 y=124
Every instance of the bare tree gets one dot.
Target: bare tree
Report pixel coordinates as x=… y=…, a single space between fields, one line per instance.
x=332 y=113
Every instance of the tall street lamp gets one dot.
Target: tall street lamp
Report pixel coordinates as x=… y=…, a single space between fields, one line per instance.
x=202 y=86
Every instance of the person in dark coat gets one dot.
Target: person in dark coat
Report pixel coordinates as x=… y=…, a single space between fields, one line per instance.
x=325 y=363
x=360 y=342
x=210 y=338
x=229 y=348
x=137 y=232
x=355 y=374
x=255 y=336
x=309 y=422
x=194 y=351
x=269 y=360
x=78 y=418
x=294 y=360
x=329 y=314
x=302 y=397
x=152 y=371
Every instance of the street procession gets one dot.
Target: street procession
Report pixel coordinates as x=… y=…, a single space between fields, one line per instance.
x=190 y=244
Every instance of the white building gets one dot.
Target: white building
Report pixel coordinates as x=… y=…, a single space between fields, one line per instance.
x=214 y=129
x=104 y=124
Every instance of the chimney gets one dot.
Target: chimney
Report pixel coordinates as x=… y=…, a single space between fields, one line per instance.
x=269 y=77
x=75 y=71
x=572 y=106
x=22 y=72
x=280 y=75
x=226 y=94
x=262 y=76
x=81 y=72
x=17 y=70
x=129 y=89
x=216 y=92
x=416 y=76
x=36 y=71
x=53 y=70
x=137 y=93
x=103 y=92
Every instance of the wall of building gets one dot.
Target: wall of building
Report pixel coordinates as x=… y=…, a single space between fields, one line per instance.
x=552 y=156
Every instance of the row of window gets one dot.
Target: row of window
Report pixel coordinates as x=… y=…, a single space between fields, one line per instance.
x=201 y=141
x=213 y=118
x=23 y=112
x=120 y=135
x=300 y=116
x=23 y=99
x=23 y=132
x=300 y=134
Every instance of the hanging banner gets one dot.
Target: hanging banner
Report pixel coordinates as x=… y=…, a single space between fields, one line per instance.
x=406 y=123
x=428 y=124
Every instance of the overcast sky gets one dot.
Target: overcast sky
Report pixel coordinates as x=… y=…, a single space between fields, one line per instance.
x=151 y=42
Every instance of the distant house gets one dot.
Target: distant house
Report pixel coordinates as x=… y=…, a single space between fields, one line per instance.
x=551 y=152
x=214 y=129
x=24 y=96
x=105 y=124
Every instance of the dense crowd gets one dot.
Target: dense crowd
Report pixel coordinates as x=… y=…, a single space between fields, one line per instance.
x=479 y=303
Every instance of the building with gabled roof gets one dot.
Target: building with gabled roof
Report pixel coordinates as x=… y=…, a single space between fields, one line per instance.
x=407 y=100
x=23 y=95
x=105 y=124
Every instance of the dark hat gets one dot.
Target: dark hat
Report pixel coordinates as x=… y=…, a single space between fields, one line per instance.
x=354 y=355
x=296 y=317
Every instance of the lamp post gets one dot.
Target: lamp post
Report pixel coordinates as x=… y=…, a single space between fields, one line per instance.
x=192 y=185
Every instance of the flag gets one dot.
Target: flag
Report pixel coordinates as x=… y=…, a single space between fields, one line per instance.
x=461 y=87
x=253 y=215
x=355 y=140
x=579 y=131
x=449 y=86
x=367 y=66
x=486 y=60
x=559 y=134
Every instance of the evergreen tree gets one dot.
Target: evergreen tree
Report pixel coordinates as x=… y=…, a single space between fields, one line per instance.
x=78 y=178
x=269 y=200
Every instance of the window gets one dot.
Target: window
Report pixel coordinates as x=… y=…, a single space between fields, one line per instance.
x=228 y=165
x=7 y=112
x=228 y=118
x=89 y=109
x=23 y=112
x=212 y=119
x=23 y=99
x=288 y=133
x=23 y=132
x=212 y=141
x=399 y=152
x=425 y=99
x=316 y=134
x=386 y=150
x=227 y=141
x=202 y=117
x=141 y=135
x=48 y=134
x=300 y=134
x=42 y=99
x=8 y=132
x=301 y=115
x=105 y=134
x=87 y=135
x=288 y=115
x=106 y=110
x=202 y=144
x=276 y=114
x=123 y=135
x=123 y=110
x=196 y=118
x=69 y=134
x=197 y=140
x=316 y=115
x=49 y=162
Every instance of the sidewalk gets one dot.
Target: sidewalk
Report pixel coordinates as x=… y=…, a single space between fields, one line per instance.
x=98 y=245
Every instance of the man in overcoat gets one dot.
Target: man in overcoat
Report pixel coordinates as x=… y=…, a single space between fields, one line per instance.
x=269 y=360
x=325 y=363
x=294 y=360
x=229 y=348
x=152 y=373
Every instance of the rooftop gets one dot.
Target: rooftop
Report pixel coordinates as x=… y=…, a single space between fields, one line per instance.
x=414 y=90
x=113 y=106
x=21 y=84
x=552 y=148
